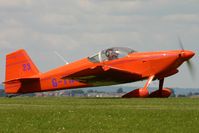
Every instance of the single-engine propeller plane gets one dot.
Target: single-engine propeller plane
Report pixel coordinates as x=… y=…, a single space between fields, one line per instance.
x=110 y=66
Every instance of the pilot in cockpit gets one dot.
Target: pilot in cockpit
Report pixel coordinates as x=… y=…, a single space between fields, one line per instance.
x=111 y=54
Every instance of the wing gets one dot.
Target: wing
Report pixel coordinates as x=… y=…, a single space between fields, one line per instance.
x=103 y=75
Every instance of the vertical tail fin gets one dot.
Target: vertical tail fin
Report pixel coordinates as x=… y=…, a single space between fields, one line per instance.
x=19 y=65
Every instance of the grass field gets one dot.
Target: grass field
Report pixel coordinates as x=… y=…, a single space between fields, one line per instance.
x=81 y=115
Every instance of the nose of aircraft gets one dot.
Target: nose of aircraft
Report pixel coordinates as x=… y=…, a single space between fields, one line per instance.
x=186 y=54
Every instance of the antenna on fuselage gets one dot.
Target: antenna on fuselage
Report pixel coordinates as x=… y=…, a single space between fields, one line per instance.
x=61 y=57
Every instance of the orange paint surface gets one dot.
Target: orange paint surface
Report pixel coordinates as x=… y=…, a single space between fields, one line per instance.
x=22 y=76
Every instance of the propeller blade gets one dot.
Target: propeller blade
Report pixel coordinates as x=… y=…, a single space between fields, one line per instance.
x=180 y=43
x=191 y=68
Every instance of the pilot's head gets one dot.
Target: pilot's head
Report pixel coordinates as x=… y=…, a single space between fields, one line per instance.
x=111 y=54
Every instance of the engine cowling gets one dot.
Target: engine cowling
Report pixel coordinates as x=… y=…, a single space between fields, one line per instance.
x=141 y=92
x=164 y=93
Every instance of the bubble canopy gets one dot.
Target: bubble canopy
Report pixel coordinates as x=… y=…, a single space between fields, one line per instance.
x=111 y=54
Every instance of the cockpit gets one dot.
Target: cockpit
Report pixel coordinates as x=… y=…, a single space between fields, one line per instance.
x=111 y=54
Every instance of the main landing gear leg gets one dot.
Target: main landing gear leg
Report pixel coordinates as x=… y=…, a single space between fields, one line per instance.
x=161 y=92
x=161 y=82
x=142 y=92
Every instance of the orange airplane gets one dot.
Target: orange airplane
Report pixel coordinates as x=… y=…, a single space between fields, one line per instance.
x=111 y=66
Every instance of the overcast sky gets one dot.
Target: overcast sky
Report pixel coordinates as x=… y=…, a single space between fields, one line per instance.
x=79 y=28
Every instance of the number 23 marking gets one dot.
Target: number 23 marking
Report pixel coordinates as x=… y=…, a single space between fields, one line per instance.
x=26 y=67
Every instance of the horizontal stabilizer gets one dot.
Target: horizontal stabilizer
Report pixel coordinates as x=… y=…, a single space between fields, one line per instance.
x=13 y=86
x=21 y=80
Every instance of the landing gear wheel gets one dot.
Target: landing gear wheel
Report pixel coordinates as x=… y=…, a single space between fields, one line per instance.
x=164 y=93
x=140 y=93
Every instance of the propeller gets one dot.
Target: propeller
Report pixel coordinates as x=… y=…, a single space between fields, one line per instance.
x=189 y=63
x=191 y=68
x=180 y=43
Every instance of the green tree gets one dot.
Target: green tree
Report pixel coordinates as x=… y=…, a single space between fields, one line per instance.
x=120 y=90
